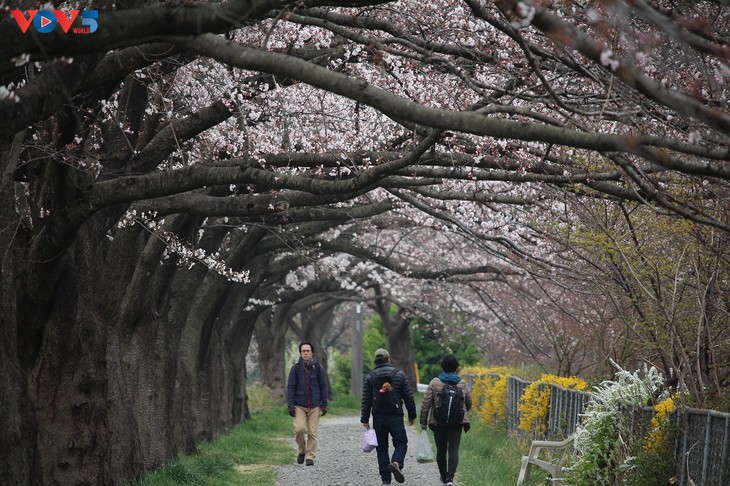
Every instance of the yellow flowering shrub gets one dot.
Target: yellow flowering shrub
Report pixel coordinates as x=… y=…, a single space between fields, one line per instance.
x=534 y=405
x=659 y=421
x=490 y=393
x=493 y=410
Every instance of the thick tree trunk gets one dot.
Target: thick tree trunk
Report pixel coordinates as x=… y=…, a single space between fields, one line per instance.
x=271 y=327
x=224 y=366
x=202 y=343
x=148 y=332
x=238 y=346
x=70 y=379
x=399 y=342
x=398 y=333
x=128 y=375
x=18 y=460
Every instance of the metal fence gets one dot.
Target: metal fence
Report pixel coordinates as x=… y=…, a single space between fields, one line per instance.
x=566 y=411
x=702 y=448
x=515 y=390
x=566 y=407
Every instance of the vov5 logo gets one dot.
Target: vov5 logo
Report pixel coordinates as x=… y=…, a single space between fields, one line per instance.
x=45 y=21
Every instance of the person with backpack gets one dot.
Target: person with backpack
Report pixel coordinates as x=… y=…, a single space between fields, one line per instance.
x=444 y=410
x=384 y=392
x=306 y=396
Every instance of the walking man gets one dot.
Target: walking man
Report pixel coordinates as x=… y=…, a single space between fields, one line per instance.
x=384 y=392
x=306 y=396
x=447 y=428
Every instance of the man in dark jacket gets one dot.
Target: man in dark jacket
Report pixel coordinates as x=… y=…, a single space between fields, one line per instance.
x=383 y=393
x=306 y=396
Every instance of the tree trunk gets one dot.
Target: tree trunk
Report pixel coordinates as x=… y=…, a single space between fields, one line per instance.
x=398 y=333
x=399 y=342
x=70 y=379
x=138 y=361
x=271 y=327
x=18 y=460
x=315 y=321
x=238 y=347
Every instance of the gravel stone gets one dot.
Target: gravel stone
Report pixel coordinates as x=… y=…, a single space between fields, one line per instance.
x=340 y=460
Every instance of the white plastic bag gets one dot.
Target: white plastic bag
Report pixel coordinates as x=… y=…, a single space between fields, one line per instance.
x=369 y=440
x=424 y=452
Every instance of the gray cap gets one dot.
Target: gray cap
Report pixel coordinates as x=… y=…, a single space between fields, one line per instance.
x=382 y=353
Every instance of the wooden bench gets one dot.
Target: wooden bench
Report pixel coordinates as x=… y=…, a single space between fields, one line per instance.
x=557 y=452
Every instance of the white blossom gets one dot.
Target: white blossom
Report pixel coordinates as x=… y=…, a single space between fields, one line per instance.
x=5 y=93
x=608 y=60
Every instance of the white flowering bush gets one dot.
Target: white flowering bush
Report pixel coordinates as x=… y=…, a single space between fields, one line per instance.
x=603 y=442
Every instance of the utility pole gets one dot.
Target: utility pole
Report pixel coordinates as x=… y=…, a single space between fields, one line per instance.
x=356 y=368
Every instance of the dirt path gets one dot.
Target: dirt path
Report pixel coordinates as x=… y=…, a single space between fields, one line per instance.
x=341 y=462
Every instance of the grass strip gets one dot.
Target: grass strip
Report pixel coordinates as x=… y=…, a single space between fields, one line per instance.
x=247 y=455
x=489 y=457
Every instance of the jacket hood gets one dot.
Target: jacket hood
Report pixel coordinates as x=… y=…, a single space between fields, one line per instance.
x=451 y=377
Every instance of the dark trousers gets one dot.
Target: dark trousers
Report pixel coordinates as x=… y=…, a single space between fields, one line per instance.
x=447 y=439
x=393 y=425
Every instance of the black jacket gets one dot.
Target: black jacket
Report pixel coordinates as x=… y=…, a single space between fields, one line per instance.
x=401 y=391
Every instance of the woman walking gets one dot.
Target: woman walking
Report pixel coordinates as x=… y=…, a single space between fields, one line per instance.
x=444 y=410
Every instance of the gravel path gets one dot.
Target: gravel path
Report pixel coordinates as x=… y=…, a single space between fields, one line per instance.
x=341 y=462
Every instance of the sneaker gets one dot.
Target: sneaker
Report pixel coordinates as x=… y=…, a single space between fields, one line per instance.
x=300 y=458
x=311 y=463
x=386 y=483
x=395 y=470
x=450 y=483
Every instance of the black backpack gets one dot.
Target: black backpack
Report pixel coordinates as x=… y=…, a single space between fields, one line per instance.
x=449 y=405
x=383 y=402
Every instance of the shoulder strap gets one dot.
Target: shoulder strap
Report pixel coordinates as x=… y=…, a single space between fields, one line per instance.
x=392 y=373
x=317 y=367
x=320 y=372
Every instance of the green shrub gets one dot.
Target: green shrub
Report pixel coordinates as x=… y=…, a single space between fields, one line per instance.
x=606 y=446
x=260 y=398
x=342 y=371
x=655 y=466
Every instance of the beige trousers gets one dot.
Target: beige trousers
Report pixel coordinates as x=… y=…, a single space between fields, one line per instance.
x=306 y=421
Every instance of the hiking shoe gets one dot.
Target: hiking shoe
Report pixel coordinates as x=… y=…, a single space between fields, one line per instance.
x=300 y=458
x=311 y=463
x=395 y=470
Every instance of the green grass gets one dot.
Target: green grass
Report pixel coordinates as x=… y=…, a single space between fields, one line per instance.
x=345 y=405
x=247 y=455
x=490 y=458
